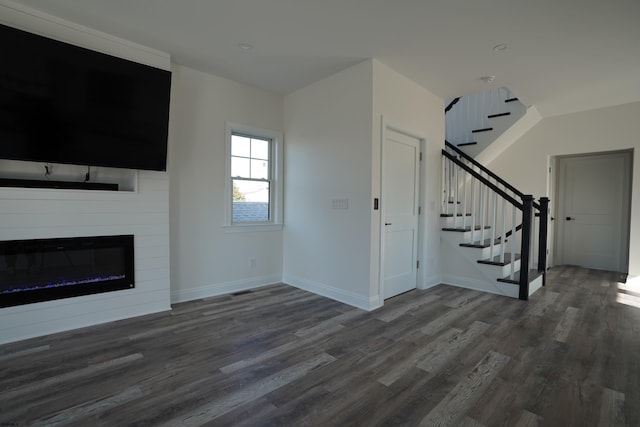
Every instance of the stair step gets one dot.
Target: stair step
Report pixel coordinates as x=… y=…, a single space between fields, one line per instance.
x=511 y=100
x=464 y=144
x=533 y=275
x=496 y=260
x=465 y=229
x=480 y=244
x=498 y=115
x=451 y=215
x=481 y=130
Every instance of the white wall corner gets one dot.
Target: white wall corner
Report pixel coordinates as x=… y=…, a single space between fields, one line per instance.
x=510 y=136
x=223 y=288
x=430 y=282
x=340 y=295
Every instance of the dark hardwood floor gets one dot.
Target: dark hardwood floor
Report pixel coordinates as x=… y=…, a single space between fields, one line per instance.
x=280 y=356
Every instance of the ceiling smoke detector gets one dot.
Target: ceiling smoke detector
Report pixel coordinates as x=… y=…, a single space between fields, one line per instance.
x=488 y=79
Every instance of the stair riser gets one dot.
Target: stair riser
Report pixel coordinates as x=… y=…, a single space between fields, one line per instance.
x=459 y=237
x=448 y=222
x=499 y=270
x=484 y=253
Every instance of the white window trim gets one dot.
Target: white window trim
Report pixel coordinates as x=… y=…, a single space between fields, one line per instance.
x=275 y=204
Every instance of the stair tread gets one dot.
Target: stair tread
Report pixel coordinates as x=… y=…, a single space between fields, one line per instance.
x=511 y=100
x=465 y=229
x=496 y=260
x=464 y=144
x=482 y=130
x=480 y=244
x=533 y=275
x=492 y=116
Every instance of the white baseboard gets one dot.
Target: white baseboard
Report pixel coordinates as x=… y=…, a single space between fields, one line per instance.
x=498 y=288
x=355 y=300
x=223 y=288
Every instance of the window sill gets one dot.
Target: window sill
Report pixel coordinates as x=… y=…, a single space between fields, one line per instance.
x=246 y=228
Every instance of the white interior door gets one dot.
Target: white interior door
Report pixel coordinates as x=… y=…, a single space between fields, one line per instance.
x=400 y=192
x=593 y=211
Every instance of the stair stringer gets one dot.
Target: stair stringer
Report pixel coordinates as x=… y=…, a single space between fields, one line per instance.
x=509 y=137
x=460 y=268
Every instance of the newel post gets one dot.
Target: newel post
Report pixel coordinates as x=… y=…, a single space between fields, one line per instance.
x=525 y=255
x=542 y=242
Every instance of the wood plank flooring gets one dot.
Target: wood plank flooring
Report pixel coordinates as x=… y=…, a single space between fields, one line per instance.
x=279 y=356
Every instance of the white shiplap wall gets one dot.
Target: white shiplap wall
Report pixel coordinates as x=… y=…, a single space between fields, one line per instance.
x=46 y=213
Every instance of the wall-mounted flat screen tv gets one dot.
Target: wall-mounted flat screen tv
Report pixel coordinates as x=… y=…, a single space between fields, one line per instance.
x=61 y=103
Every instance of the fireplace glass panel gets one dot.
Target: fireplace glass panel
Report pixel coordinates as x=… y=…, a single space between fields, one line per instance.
x=47 y=269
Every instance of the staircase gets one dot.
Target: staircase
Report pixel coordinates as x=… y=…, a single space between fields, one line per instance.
x=474 y=122
x=494 y=238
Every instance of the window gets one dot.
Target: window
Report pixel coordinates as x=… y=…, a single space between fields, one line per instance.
x=254 y=178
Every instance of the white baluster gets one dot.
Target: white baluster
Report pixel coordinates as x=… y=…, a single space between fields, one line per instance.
x=503 y=236
x=467 y=117
x=449 y=166
x=493 y=224
x=533 y=239
x=512 y=243
x=481 y=110
x=455 y=197
x=482 y=212
x=464 y=199
x=473 y=207
x=477 y=120
x=443 y=179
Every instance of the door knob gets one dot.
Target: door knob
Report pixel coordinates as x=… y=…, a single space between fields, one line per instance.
x=387 y=223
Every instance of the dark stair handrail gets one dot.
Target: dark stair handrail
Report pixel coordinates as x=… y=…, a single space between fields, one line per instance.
x=484 y=169
x=451 y=104
x=482 y=179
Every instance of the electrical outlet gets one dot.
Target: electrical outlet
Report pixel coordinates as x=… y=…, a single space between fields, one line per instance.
x=340 y=204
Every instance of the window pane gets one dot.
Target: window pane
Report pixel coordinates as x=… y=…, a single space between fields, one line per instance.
x=240 y=146
x=260 y=149
x=259 y=169
x=250 y=201
x=253 y=191
x=240 y=167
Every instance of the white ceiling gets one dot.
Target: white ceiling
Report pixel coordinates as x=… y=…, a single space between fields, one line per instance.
x=562 y=56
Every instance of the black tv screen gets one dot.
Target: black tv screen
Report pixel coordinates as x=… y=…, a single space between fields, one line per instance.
x=61 y=103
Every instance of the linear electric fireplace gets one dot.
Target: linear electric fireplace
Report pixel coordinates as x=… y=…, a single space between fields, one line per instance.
x=48 y=269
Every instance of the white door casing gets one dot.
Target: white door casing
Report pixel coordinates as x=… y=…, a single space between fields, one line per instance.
x=593 y=211
x=400 y=204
